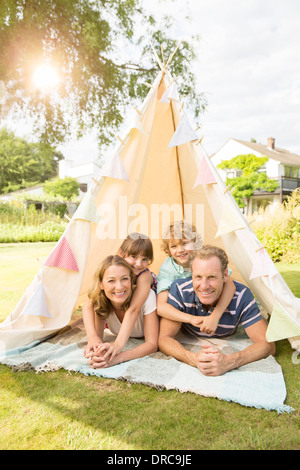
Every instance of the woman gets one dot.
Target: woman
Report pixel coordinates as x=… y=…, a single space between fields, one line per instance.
x=107 y=302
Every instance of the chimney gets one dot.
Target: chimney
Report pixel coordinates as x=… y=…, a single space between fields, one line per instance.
x=271 y=143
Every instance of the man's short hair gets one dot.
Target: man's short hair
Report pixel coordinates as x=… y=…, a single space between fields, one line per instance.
x=208 y=251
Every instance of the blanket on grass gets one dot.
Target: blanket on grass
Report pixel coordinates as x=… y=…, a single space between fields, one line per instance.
x=259 y=384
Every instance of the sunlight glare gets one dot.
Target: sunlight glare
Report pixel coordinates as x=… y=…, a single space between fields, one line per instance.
x=45 y=77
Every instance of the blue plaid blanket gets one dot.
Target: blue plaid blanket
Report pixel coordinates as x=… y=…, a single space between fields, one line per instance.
x=259 y=384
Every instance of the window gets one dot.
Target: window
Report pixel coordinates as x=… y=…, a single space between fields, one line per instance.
x=233 y=173
x=83 y=187
x=291 y=171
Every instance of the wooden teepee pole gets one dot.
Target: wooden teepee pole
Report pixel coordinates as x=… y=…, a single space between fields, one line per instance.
x=163 y=65
x=173 y=53
x=163 y=56
x=157 y=58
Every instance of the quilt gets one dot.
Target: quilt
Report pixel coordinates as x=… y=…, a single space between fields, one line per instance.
x=259 y=384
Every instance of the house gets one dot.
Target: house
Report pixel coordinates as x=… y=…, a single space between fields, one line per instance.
x=83 y=173
x=282 y=165
x=33 y=190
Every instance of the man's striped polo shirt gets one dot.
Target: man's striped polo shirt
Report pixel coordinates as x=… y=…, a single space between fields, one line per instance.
x=242 y=309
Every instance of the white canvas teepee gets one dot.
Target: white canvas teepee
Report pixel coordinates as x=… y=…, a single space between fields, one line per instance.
x=158 y=170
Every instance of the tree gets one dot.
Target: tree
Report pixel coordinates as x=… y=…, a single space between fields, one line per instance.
x=242 y=187
x=87 y=43
x=66 y=188
x=24 y=163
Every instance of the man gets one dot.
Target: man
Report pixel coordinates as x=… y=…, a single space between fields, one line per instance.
x=197 y=296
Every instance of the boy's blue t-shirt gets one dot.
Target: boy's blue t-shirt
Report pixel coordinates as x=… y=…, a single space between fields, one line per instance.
x=169 y=272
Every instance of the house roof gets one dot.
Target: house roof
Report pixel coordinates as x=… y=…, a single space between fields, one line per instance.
x=24 y=190
x=278 y=154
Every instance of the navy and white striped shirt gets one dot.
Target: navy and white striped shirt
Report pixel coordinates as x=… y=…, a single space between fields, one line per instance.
x=242 y=309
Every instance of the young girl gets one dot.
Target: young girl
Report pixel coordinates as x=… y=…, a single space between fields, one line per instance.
x=180 y=243
x=137 y=250
x=109 y=300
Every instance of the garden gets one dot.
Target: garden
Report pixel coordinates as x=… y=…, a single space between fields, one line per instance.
x=39 y=217
x=68 y=411
x=70 y=70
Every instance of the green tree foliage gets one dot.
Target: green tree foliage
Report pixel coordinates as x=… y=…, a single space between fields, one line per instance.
x=242 y=187
x=249 y=163
x=66 y=188
x=24 y=163
x=101 y=58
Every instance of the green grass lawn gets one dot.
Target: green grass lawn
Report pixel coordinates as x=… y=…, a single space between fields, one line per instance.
x=19 y=262
x=60 y=410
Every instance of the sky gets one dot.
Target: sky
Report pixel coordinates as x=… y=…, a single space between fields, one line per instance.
x=248 y=65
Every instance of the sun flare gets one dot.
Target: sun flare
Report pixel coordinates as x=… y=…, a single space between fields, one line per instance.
x=45 y=77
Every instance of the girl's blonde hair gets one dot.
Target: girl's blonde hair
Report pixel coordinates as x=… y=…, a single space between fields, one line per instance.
x=181 y=230
x=137 y=244
x=102 y=305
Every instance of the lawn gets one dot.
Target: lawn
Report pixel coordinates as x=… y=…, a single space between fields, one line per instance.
x=65 y=411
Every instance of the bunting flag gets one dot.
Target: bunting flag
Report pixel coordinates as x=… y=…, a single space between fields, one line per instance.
x=2 y=91
x=62 y=256
x=230 y=221
x=114 y=168
x=87 y=209
x=136 y=122
x=281 y=325
x=205 y=175
x=262 y=265
x=95 y=187
x=37 y=305
x=170 y=93
x=184 y=133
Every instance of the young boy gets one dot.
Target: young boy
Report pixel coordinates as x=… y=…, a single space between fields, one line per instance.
x=180 y=244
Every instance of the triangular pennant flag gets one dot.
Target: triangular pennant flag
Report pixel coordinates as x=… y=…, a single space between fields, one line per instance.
x=170 y=93
x=230 y=221
x=281 y=325
x=96 y=185
x=136 y=122
x=184 y=133
x=173 y=92
x=262 y=265
x=114 y=168
x=62 y=256
x=37 y=305
x=2 y=91
x=205 y=175
x=87 y=209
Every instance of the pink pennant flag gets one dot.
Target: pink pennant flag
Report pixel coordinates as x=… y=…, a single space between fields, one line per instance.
x=62 y=257
x=259 y=267
x=262 y=265
x=205 y=175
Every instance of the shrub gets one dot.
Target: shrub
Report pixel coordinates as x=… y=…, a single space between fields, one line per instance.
x=46 y=232
x=66 y=188
x=278 y=229
x=18 y=224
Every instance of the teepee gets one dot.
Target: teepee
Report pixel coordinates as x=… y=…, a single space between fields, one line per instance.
x=158 y=171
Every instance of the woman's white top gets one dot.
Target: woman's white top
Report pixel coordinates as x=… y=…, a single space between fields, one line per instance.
x=149 y=306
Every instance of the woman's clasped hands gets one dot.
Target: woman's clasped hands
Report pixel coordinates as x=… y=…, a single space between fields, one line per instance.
x=101 y=355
